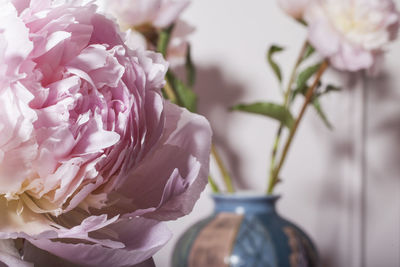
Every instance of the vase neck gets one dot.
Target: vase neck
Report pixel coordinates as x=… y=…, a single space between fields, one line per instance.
x=244 y=204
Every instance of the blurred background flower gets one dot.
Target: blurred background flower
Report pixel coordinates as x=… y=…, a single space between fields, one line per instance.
x=142 y=21
x=294 y=8
x=352 y=34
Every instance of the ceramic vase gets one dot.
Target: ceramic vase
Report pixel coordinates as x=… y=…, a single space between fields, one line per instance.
x=244 y=230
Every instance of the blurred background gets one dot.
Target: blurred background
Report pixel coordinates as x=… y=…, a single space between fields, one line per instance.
x=341 y=186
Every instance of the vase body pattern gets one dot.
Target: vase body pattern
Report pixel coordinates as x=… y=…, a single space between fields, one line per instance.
x=244 y=231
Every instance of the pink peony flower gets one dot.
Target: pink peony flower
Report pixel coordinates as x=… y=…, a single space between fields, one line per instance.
x=92 y=158
x=353 y=34
x=294 y=8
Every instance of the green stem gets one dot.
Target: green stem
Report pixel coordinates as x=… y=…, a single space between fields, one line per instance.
x=308 y=98
x=169 y=91
x=275 y=152
x=213 y=185
x=293 y=74
x=286 y=104
x=224 y=172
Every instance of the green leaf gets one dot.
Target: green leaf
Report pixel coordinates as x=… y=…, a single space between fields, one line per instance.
x=332 y=88
x=305 y=75
x=272 y=110
x=329 y=88
x=318 y=107
x=302 y=21
x=190 y=68
x=164 y=94
x=275 y=67
x=163 y=40
x=309 y=51
x=321 y=113
x=316 y=104
x=185 y=96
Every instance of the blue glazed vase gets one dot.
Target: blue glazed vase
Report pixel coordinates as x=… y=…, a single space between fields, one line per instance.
x=244 y=230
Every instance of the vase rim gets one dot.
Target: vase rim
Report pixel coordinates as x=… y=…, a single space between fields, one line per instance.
x=246 y=195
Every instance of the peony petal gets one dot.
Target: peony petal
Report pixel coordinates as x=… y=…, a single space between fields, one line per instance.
x=142 y=238
x=105 y=31
x=18 y=45
x=13 y=225
x=135 y=40
x=95 y=139
x=169 y=12
x=294 y=8
x=43 y=258
x=100 y=65
x=134 y=12
x=154 y=66
x=173 y=191
x=193 y=134
x=322 y=35
x=20 y=5
x=147 y=263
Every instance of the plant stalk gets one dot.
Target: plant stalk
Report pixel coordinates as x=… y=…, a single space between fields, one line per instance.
x=170 y=92
x=286 y=104
x=275 y=152
x=213 y=185
x=308 y=98
x=224 y=172
x=293 y=74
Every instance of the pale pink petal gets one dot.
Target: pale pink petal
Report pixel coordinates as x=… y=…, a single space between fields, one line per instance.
x=294 y=8
x=178 y=46
x=179 y=185
x=43 y=258
x=352 y=59
x=169 y=12
x=142 y=238
x=322 y=35
x=154 y=66
x=20 y=5
x=135 y=40
x=18 y=45
x=100 y=65
x=134 y=12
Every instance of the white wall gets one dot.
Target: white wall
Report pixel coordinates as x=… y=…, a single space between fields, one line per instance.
x=341 y=186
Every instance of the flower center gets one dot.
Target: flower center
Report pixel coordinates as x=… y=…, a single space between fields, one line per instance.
x=348 y=19
x=356 y=21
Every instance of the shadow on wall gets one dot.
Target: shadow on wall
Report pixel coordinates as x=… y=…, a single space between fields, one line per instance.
x=384 y=123
x=337 y=149
x=339 y=153
x=216 y=93
x=382 y=172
